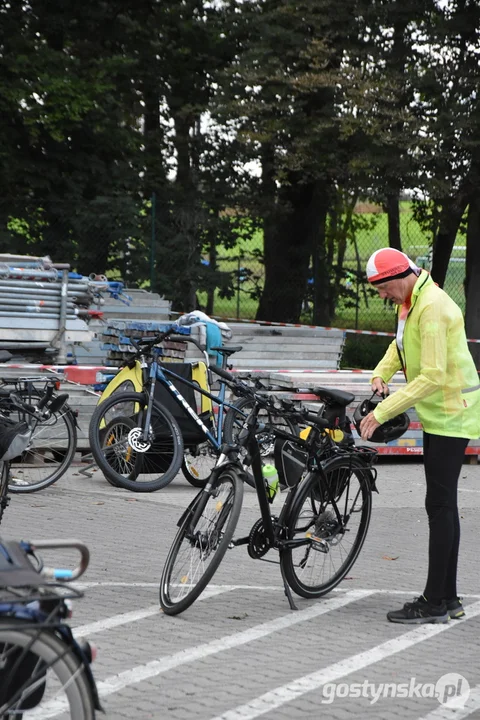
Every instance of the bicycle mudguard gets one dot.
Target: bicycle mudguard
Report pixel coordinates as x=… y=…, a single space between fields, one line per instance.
x=66 y=632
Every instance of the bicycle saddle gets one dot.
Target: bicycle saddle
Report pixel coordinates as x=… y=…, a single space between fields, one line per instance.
x=227 y=350
x=340 y=397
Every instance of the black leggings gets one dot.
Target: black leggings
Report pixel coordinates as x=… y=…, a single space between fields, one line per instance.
x=442 y=458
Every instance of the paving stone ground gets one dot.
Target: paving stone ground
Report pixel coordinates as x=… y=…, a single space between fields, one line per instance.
x=239 y=651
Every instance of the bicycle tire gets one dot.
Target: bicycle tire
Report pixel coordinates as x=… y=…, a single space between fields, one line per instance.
x=198 y=463
x=114 y=428
x=161 y=457
x=4 y=474
x=52 y=448
x=214 y=528
x=313 y=512
x=235 y=418
x=58 y=660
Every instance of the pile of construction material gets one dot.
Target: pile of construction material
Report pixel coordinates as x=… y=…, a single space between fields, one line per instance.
x=117 y=335
x=44 y=307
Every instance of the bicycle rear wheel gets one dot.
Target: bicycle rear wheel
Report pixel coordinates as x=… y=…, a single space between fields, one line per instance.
x=40 y=672
x=333 y=541
x=117 y=445
x=201 y=542
x=50 y=452
x=198 y=463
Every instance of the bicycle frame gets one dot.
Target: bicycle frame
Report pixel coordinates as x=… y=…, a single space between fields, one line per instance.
x=158 y=372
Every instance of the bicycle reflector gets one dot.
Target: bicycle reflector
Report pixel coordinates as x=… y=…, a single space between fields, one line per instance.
x=388 y=431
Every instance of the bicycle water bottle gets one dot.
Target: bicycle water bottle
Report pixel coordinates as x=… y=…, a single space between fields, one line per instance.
x=271 y=480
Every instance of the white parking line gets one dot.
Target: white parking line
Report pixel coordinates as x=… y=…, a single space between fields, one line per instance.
x=134 y=615
x=163 y=664
x=286 y=693
x=226 y=588
x=115 y=683
x=446 y=713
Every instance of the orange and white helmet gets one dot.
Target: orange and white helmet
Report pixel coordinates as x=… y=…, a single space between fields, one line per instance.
x=389 y=264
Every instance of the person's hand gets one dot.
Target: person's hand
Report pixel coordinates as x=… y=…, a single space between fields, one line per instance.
x=379 y=386
x=368 y=425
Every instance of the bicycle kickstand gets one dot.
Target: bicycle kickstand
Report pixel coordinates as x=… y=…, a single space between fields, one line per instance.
x=288 y=592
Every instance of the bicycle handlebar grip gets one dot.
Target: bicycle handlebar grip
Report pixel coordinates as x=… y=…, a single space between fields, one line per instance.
x=60 y=544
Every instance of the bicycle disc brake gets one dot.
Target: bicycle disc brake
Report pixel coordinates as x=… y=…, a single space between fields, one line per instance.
x=258 y=543
x=136 y=441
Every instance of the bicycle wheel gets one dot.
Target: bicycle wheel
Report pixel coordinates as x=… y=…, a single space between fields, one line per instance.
x=333 y=541
x=39 y=672
x=235 y=418
x=198 y=463
x=197 y=550
x=50 y=452
x=120 y=452
x=4 y=472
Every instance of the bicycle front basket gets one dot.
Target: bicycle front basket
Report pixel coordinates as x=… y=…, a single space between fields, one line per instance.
x=290 y=462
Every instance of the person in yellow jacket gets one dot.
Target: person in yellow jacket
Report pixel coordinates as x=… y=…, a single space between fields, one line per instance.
x=444 y=387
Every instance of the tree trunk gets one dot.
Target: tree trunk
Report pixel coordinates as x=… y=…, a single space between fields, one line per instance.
x=288 y=247
x=392 y=207
x=472 y=279
x=450 y=219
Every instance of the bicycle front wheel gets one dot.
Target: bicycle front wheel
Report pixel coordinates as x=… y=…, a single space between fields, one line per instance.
x=118 y=446
x=50 y=452
x=330 y=530
x=201 y=542
x=40 y=673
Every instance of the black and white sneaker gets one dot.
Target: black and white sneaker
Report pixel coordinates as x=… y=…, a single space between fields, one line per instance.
x=420 y=611
x=455 y=608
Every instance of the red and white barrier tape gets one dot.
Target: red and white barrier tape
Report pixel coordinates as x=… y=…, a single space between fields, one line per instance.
x=311 y=327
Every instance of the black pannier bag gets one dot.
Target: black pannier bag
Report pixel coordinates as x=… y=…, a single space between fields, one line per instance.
x=192 y=435
x=14 y=438
x=290 y=462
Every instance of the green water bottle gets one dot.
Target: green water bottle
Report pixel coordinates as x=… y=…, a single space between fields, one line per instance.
x=271 y=480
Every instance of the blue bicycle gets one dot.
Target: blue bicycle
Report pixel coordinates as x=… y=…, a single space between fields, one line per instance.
x=135 y=438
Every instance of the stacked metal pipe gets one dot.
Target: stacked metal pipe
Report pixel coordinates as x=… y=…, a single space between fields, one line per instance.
x=43 y=305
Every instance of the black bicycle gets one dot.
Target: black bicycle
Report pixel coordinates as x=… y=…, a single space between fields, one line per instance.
x=321 y=526
x=43 y=669
x=52 y=424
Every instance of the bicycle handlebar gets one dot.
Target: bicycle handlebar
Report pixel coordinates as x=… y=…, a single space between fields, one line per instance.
x=153 y=340
x=59 y=573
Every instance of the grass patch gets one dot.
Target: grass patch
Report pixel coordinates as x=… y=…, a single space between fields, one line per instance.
x=371 y=313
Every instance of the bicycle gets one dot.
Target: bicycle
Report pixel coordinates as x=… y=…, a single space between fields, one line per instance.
x=53 y=431
x=133 y=436
x=43 y=669
x=320 y=528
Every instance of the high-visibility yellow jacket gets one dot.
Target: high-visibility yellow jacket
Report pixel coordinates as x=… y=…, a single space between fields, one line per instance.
x=442 y=382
